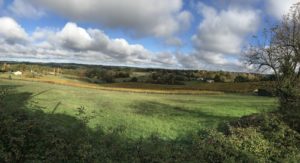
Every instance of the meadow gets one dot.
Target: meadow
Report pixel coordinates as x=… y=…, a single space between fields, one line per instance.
x=141 y=114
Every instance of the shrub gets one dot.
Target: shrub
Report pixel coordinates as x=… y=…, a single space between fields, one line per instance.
x=264 y=92
x=134 y=79
x=240 y=79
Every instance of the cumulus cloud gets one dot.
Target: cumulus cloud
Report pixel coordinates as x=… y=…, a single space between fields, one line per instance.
x=189 y=61
x=73 y=37
x=159 y=18
x=167 y=59
x=73 y=43
x=221 y=34
x=22 y=8
x=224 y=31
x=11 y=32
x=278 y=8
x=217 y=41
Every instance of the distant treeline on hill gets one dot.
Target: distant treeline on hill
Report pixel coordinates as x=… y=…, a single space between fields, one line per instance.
x=110 y=74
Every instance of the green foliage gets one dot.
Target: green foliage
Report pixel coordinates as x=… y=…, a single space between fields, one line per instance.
x=240 y=79
x=107 y=76
x=82 y=115
x=134 y=79
x=218 y=78
x=283 y=143
x=265 y=92
x=165 y=77
x=282 y=57
x=291 y=113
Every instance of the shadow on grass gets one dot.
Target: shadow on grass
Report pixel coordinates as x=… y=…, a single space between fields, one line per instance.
x=150 y=108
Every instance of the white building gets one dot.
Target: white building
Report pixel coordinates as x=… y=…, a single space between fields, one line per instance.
x=200 y=79
x=18 y=73
x=210 y=81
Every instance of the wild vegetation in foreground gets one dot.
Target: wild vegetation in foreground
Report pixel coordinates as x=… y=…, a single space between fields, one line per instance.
x=29 y=134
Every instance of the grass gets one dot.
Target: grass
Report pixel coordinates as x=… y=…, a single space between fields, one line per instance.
x=193 y=86
x=126 y=87
x=190 y=87
x=142 y=114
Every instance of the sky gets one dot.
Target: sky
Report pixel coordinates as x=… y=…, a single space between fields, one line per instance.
x=177 y=34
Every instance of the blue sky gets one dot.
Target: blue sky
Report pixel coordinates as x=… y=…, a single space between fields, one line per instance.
x=181 y=34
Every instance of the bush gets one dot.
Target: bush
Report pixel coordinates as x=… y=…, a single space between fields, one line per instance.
x=240 y=79
x=134 y=79
x=283 y=142
x=264 y=92
x=218 y=78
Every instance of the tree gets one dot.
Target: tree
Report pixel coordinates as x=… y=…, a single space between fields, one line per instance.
x=219 y=78
x=279 y=51
x=240 y=78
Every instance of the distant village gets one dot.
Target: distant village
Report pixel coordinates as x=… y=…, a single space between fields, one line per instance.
x=108 y=74
x=22 y=70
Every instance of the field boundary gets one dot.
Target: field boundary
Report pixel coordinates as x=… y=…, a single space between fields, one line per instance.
x=129 y=90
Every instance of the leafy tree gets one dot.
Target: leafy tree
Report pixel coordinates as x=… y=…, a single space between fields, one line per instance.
x=279 y=51
x=240 y=78
x=219 y=78
x=108 y=76
x=134 y=79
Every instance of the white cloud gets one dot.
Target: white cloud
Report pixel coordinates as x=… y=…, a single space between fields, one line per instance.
x=184 y=18
x=74 y=37
x=70 y=44
x=224 y=31
x=78 y=39
x=11 y=32
x=221 y=35
x=73 y=43
x=159 y=18
x=22 y=8
x=167 y=59
x=42 y=34
x=278 y=8
x=217 y=42
x=189 y=61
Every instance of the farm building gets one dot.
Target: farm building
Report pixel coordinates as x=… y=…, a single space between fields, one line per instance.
x=200 y=79
x=210 y=81
x=17 y=73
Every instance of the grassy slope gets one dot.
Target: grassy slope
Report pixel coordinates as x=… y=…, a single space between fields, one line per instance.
x=192 y=87
x=142 y=114
x=126 y=87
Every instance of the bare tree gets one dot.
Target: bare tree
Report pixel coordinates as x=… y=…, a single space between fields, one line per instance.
x=279 y=50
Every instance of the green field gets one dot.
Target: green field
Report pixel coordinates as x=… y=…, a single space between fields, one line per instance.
x=141 y=114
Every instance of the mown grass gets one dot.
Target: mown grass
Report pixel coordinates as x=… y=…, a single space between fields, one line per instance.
x=246 y=87
x=142 y=114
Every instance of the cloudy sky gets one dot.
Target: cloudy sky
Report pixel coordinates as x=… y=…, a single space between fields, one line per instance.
x=182 y=34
